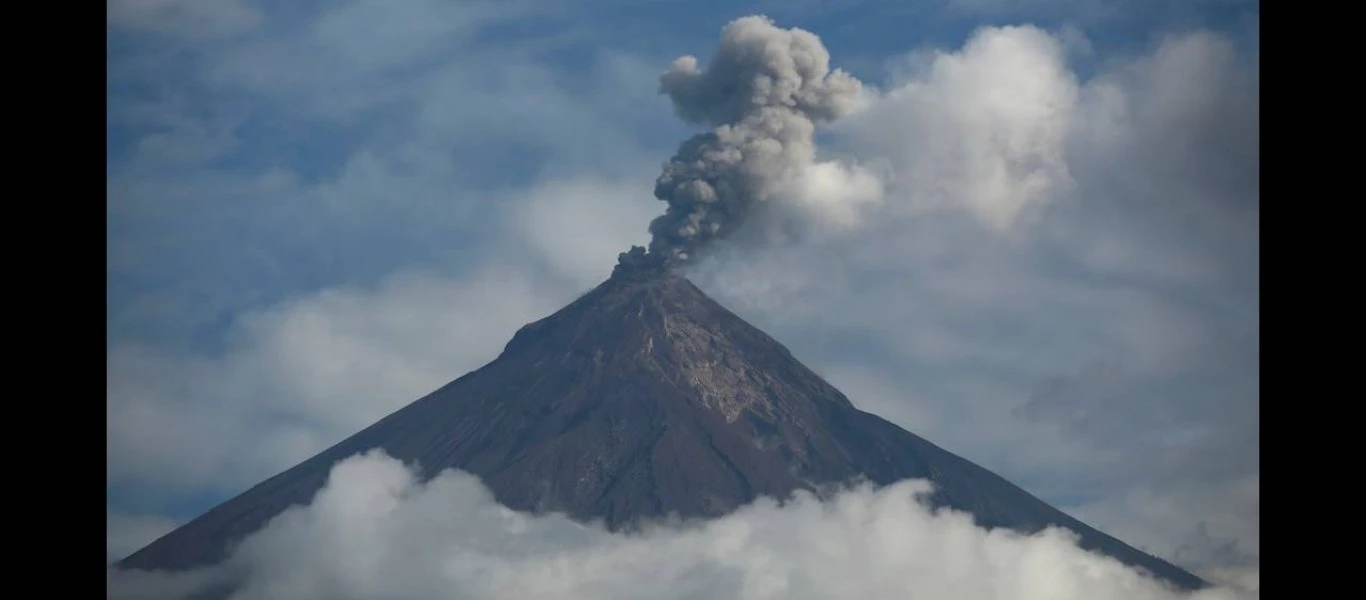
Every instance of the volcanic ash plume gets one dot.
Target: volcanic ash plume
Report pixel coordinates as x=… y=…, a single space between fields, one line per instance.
x=764 y=91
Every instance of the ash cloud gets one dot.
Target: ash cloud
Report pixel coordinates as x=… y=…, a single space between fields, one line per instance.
x=376 y=531
x=764 y=91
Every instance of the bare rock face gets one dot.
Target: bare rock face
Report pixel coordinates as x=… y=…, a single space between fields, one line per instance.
x=641 y=399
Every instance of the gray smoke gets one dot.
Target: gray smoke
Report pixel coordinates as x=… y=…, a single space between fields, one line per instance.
x=763 y=91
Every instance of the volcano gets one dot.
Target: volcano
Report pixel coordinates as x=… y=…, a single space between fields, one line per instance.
x=642 y=399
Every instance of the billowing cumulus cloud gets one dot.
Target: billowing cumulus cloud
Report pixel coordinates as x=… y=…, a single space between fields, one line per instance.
x=1128 y=199
x=376 y=532
x=981 y=129
x=764 y=91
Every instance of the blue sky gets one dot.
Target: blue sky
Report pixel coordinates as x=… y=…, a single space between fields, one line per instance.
x=318 y=211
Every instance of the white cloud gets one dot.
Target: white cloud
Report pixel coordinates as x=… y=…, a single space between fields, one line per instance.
x=833 y=194
x=871 y=392
x=1247 y=579
x=1210 y=525
x=1142 y=251
x=981 y=129
x=235 y=184
x=125 y=534
x=964 y=325
x=1183 y=120
x=375 y=532
x=375 y=34
x=362 y=54
x=304 y=374
x=301 y=372
x=193 y=19
x=579 y=226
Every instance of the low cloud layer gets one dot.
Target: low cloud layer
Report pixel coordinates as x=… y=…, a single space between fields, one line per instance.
x=376 y=532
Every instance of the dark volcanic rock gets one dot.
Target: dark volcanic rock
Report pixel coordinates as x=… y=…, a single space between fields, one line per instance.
x=644 y=397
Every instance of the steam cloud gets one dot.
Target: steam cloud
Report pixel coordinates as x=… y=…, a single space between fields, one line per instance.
x=376 y=532
x=763 y=91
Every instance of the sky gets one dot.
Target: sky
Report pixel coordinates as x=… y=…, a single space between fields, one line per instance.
x=320 y=211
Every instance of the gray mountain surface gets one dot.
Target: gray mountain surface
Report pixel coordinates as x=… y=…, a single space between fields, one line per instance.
x=642 y=398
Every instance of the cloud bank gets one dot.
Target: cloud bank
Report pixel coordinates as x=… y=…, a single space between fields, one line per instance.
x=1037 y=222
x=376 y=532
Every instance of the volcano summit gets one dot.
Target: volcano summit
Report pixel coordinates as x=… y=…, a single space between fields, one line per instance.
x=642 y=399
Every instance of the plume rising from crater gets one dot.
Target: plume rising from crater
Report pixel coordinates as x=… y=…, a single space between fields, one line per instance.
x=763 y=92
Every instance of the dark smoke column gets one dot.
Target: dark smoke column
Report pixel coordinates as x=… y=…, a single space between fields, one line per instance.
x=763 y=91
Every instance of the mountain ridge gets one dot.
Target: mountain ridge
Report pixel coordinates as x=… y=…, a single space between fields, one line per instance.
x=586 y=409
